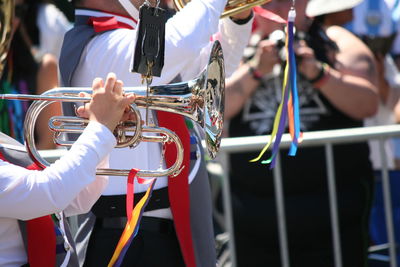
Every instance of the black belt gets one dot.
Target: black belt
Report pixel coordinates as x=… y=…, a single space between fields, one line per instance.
x=150 y=224
x=114 y=206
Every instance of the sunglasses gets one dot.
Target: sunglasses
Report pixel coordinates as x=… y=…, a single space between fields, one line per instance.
x=20 y=10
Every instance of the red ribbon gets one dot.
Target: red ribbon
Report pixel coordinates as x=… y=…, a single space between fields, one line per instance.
x=130 y=193
x=269 y=15
x=41 y=242
x=178 y=187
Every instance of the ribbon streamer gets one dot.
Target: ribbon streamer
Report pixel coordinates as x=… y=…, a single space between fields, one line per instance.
x=133 y=215
x=289 y=106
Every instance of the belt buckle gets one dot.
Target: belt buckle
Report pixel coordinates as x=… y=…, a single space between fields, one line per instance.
x=114 y=222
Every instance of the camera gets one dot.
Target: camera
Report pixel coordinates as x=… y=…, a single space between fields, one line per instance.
x=279 y=38
x=379 y=45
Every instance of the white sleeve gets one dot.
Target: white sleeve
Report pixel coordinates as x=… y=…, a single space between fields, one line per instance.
x=190 y=29
x=233 y=38
x=90 y=194
x=26 y=194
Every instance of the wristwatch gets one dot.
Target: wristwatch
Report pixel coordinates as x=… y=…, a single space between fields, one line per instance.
x=256 y=74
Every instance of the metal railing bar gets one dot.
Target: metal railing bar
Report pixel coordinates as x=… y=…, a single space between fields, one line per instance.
x=387 y=200
x=254 y=143
x=280 y=209
x=379 y=247
x=226 y=193
x=379 y=257
x=333 y=205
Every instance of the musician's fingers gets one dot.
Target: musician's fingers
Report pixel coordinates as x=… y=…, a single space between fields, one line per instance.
x=129 y=115
x=125 y=116
x=82 y=112
x=97 y=83
x=84 y=94
x=130 y=97
x=110 y=82
x=118 y=87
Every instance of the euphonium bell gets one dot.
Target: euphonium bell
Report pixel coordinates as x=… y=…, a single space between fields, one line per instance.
x=232 y=7
x=200 y=99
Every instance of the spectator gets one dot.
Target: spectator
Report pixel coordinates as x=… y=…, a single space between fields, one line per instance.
x=23 y=74
x=45 y=26
x=375 y=23
x=337 y=89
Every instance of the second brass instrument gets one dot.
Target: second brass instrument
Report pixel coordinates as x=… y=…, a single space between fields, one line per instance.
x=232 y=7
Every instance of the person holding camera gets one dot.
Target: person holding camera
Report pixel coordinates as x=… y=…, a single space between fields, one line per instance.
x=377 y=25
x=337 y=89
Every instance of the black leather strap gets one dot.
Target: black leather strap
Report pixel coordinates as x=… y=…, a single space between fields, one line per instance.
x=150 y=224
x=115 y=206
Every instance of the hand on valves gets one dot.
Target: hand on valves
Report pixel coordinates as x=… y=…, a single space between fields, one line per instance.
x=109 y=104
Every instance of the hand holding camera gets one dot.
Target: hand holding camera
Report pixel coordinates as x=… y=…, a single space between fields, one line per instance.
x=308 y=66
x=265 y=58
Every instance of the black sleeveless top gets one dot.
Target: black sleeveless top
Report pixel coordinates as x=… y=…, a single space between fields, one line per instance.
x=304 y=173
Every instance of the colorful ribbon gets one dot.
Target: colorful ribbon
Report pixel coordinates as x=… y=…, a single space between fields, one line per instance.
x=289 y=106
x=133 y=215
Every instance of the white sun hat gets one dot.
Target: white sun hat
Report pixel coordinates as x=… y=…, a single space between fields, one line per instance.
x=320 y=7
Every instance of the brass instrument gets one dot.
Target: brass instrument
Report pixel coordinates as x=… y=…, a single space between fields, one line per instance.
x=6 y=18
x=232 y=7
x=200 y=99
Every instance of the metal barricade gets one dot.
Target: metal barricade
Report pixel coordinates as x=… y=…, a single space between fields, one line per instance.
x=317 y=138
